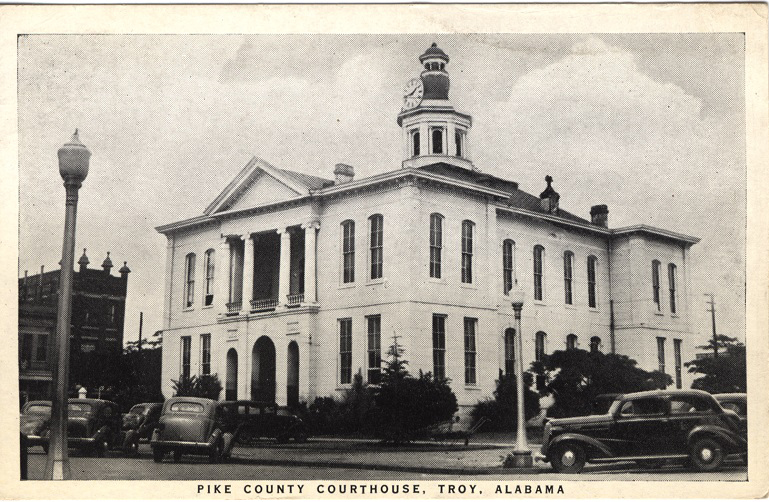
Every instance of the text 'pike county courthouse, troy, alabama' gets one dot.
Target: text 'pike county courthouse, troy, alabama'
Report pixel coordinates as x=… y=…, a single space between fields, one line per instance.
x=290 y=284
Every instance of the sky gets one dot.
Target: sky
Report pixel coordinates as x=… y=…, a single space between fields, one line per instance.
x=650 y=124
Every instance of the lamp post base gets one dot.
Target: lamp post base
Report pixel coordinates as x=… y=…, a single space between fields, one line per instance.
x=57 y=469
x=522 y=458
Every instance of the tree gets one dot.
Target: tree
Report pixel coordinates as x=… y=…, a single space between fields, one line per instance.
x=575 y=377
x=725 y=373
x=502 y=411
x=404 y=405
x=207 y=386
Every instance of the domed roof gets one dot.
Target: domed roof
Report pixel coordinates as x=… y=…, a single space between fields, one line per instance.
x=83 y=259
x=107 y=263
x=124 y=269
x=433 y=52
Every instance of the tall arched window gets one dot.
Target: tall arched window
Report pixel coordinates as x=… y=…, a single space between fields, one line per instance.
x=672 y=284
x=571 y=342
x=348 y=251
x=508 y=265
x=568 y=268
x=415 y=143
x=436 y=245
x=189 y=280
x=467 y=251
x=539 y=251
x=509 y=351
x=595 y=344
x=540 y=343
x=591 y=291
x=209 y=293
x=436 y=135
x=376 y=245
x=656 y=283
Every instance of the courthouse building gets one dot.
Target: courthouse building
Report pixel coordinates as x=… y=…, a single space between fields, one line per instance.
x=289 y=284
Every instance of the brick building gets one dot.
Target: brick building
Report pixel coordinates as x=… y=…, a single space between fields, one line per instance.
x=289 y=284
x=98 y=309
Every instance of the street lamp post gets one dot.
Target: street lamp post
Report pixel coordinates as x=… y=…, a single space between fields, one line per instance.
x=73 y=167
x=521 y=453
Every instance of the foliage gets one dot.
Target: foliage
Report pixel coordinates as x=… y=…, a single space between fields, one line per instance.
x=207 y=386
x=725 y=373
x=502 y=409
x=356 y=404
x=575 y=377
x=346 y=416
x=404 y=406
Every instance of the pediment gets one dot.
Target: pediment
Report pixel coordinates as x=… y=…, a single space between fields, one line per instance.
x=263 y=189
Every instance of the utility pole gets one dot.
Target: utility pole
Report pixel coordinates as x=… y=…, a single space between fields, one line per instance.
x=712 y=304
x=141 y=323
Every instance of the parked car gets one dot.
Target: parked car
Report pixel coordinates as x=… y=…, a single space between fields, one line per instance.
x=602 y=402
x=190 y=425
x=647 y=427
x=738 y=403
x=254 y=420
x=93 y=425
x=36 y=423
x=139 y=424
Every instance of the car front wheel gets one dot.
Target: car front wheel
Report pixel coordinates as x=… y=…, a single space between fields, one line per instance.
x=568 y=458
x=215 y=454
x=706 y=454
x=157 y=455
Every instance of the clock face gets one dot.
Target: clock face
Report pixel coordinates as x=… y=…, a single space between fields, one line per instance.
x=412 y=94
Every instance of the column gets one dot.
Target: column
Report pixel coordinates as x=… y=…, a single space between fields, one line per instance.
x=310 y=261
x=248 y=272
x=285 y=268
x=281 y=368
x=451 y=145
x=222 y=270
x=424 y=132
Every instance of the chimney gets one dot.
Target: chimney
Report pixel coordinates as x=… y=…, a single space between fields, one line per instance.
x=599 y=215
x=343 y=173
x=548 y=199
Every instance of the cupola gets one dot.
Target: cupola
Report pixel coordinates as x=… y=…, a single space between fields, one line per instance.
x=83 y=261
x=433 y=131
x=548 y=199
x=107 y=263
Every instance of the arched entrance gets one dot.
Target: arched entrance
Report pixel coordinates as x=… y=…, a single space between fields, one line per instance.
x=263 y=370
x=292 y=367
x=231 y=385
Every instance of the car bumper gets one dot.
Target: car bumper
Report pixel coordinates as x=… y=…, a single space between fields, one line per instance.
x=36 y=440
x=180 y=445
x=75 y=442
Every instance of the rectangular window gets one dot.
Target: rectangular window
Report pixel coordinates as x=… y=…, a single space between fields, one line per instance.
x=345 y=351
x=538 y=252
x=186 y=352
x=656 y=283
x=568 y=262
x=436 y=245
x=26 y=348
x=467 y=252
x=189 y=280
x=112 y=311
x=374 y=329
x=375 y=243
x=507 y=266
x=509 y=351
x=672 y=284
x=42 y=348
x=439 y=346
x=661 y=353
x=209 y=298
x=348 y=252
x=540 y=342
x=591 y=296
x=205 y=354
x=470 y=329
x=677 y=356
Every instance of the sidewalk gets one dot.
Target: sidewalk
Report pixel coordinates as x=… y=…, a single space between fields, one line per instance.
x=421 y=457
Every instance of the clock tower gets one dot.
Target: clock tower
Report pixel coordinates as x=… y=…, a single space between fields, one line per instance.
x=432 y=130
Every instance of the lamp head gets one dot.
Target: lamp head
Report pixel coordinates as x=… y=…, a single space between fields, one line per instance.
x=73 y=159
x=517 y=295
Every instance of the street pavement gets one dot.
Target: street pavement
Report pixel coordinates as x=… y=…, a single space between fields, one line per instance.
x=320 y=460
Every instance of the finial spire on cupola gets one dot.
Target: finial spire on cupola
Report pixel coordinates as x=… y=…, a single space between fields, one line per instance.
x=83 y=261
x=107 y=263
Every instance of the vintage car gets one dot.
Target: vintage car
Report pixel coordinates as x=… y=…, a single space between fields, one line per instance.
x=647 y=427
x=93 y=425
x=36 y=423
x=190 y=425
x=253 y=420
x=738 y=403
x=139 y=424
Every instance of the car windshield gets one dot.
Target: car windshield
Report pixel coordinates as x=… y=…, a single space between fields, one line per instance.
x=38 y=409
x=136 y=410
x=739 y=407
x=186 y=407
x=79 y=407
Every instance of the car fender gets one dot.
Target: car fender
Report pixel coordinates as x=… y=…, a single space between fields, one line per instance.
x=214 y=437
x=729 y=440
x=580 y=438
x=102 y=433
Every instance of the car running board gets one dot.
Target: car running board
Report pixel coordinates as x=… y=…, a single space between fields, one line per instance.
x=642 y=457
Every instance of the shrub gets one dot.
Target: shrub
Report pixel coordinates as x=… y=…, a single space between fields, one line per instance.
x=207 y=386
x=502 y=409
